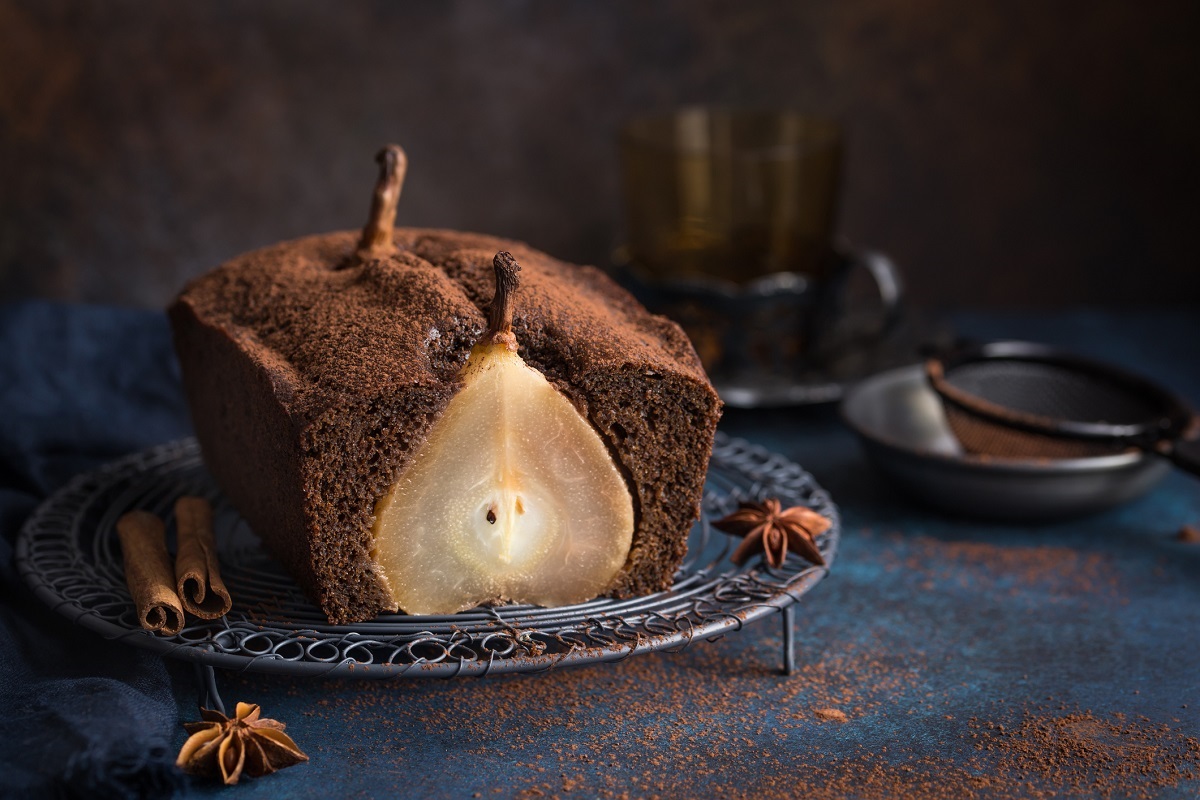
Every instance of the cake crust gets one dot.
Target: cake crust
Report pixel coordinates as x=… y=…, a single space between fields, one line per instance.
x=313 y=375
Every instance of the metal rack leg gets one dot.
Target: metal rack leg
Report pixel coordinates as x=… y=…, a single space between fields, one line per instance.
x=789 y=641
x=206 y=682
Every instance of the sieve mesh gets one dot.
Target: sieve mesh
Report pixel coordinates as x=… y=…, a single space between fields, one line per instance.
x=1053 y=391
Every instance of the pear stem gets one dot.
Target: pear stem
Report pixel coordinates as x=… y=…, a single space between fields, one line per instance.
x=500 y=315
x=377 y=235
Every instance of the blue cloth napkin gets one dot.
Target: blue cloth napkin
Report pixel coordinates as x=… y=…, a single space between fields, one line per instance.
x=82 y=717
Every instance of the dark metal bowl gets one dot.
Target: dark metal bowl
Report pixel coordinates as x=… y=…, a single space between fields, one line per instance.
x=903 y=429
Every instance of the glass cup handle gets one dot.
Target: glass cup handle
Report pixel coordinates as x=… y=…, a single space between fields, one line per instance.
x=887 y=282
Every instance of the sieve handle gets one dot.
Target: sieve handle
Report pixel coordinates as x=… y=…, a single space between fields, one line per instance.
x=1183 y=454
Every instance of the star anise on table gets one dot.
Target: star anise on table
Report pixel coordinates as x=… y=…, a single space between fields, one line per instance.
x=230 y=746
x=773 y=531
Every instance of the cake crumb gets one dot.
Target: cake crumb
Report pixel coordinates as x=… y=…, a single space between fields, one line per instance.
x=1189 y=534
x=830 y=715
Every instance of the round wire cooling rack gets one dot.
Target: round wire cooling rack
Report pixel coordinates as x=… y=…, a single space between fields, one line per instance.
x=68 y=552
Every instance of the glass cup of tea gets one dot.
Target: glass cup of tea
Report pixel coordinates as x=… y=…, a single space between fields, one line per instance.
x=730 y=218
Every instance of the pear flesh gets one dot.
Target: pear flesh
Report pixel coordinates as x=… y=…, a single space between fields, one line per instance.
x=513 y=496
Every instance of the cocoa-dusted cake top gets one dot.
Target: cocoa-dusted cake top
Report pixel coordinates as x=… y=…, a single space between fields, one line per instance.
x=336 y=327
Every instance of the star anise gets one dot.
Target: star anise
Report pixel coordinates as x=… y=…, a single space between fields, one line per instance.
x=772 y=531
x=228 y=747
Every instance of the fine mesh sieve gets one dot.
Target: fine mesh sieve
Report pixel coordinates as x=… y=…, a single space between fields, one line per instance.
x=1022 y=400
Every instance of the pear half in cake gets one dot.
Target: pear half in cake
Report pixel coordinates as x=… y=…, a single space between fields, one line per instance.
x=513 y=496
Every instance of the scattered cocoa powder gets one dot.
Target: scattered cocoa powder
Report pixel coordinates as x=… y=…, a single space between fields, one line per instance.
x=713 y=722
x=718 y=720
x=1079 y=754
x=830 y=715
x=998 y=570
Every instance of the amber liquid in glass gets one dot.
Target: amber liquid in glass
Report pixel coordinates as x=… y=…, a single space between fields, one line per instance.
x=731 y=196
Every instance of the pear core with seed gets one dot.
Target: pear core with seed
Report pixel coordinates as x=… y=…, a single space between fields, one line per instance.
x=513 y=495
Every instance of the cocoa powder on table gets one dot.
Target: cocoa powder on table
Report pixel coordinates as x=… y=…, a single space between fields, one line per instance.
x=639 y=729
x=1061 y=572
x=718 y=720
x=1189 y=534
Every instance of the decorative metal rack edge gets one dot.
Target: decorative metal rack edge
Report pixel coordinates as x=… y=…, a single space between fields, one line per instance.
x=709 y=598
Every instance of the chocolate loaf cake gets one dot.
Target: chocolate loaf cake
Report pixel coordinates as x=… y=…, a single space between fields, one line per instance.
x=316 y=369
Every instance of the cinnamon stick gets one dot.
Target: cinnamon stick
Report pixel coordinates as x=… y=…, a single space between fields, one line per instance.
x=197 y=573
x=148 y=572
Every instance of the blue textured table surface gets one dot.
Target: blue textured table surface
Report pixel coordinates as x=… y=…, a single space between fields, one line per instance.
x=942 y=658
